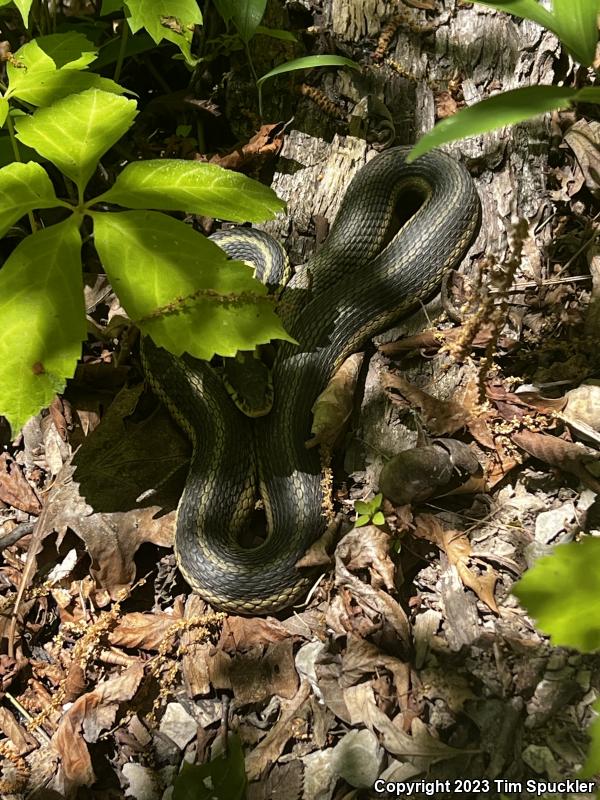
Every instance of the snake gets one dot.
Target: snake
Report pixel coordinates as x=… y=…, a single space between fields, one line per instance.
x=371 y=271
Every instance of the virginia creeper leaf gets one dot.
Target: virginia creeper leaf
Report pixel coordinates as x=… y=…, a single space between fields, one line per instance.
x=178 y=185
x=166 y=19
x=23 y=187
x=42 y=88
x=69 y=50
x=43 y=320
x=77 y=130
x=180 y=288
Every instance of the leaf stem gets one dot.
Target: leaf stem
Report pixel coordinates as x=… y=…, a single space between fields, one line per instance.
x=254 y=77
x=122 y=47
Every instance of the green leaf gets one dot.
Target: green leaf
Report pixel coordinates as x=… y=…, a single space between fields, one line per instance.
x=179 y=185
x=592 y=761
x=24 y=7
x=562 y=592
x=576 y=26
x=69 y=50
x=361 y=507
x=376 y=501
x=166 y=19
x=154 y=262
x=4 y=107
x=573 y=21
x=378 y=519
x=23 y=187
x=223 y=778
x=308 y=62
x=42 y=88
x=246 y=17
x=364 y=519
x=589 y=94
x=28 y=58
x=275 y=33
x=43 y=320
x=77 y=130
x=507 y=108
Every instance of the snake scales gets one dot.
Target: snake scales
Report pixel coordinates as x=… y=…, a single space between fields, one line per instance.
x=363 y=279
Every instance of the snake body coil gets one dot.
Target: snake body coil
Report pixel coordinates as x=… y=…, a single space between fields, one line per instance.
x=363 y=279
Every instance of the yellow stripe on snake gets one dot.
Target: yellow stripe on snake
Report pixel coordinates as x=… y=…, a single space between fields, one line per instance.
x=362 y=280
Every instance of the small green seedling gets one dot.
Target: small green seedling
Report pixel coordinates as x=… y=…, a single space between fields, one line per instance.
x=369 y=512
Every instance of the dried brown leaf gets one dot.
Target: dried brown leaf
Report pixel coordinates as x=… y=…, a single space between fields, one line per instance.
x=558 y=453
x=420 y=748
x=368 y=547
x=15 y=491
x=334 y=405
x=146 y=631
x=457 y=547
x=374 y=609
x=272 y=746
x=265 y=144
x=584 y=140
x=439 y=416
x=242 y=633
x=22 y=741
x=86 y=718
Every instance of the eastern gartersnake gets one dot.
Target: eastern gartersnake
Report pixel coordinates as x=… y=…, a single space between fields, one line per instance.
x=361 y=281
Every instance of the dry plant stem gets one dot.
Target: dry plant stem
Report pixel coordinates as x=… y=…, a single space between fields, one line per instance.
x=488 y=312
x=517 y=235
x=39 y=734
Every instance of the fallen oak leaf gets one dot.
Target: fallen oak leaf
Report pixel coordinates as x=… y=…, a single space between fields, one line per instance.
x=265 y=144
x=457 y=547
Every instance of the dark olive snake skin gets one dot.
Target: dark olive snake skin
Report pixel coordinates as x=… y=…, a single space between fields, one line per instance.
x=360 y=283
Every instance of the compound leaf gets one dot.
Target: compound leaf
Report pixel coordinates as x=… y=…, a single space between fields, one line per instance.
x=69 y=50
